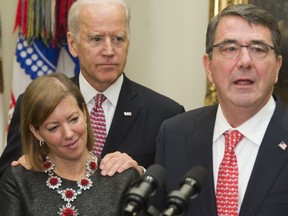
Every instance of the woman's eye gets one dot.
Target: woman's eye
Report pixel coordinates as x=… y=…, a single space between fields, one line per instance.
x=75 y=119
x=51 y=129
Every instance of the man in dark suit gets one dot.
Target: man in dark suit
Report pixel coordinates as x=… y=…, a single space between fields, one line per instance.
x=99 y=36
x=243 y=60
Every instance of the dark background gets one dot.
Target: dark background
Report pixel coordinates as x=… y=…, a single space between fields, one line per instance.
x=279 y=10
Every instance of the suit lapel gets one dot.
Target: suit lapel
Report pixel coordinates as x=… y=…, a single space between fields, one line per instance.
x=202 y=155
x=75 y=80
x=125 y=115
x=122 y=120
x=269 y=163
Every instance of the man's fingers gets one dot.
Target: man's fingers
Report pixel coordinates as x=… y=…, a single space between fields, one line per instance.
x=15 y=163
x=22 y=161
x=116 y=162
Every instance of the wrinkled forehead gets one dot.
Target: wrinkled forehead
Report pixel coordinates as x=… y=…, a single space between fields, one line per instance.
x=239 y=29
x=101 y=17
x=95 y=12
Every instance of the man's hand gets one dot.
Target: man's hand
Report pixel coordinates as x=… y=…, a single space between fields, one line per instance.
x=118 y=162
x=21 y=161
x=112 y=163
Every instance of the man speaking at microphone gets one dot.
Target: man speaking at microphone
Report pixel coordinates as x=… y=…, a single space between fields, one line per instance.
x=242 y=140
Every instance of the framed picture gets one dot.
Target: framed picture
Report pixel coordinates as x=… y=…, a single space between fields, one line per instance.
x=279 y=9
x=1 y=71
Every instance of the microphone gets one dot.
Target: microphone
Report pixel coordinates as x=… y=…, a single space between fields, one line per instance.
x=137 y=197
x=179 y=200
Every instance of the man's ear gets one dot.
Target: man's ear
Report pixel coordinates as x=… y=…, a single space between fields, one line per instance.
x=72 y=44
x=207 y=65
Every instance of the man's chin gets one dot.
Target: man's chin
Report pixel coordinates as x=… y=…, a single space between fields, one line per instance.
x=108 y=78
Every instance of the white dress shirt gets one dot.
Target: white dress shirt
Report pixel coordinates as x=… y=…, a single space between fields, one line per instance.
x=111 y=94
x=253 y=131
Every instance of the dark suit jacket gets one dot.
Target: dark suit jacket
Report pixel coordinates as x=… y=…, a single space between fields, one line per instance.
x=135 y=134
x=186 y=140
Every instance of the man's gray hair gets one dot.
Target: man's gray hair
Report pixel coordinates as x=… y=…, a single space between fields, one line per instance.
x=73 y=15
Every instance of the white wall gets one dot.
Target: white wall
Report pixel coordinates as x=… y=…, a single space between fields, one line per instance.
x=167 y=44
x=7 y=12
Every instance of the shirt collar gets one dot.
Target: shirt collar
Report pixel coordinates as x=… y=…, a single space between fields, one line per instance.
x=260 y=121
x=111 y=93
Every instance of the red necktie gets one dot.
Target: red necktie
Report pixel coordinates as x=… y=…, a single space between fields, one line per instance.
x=97 y=118
x=227 y=183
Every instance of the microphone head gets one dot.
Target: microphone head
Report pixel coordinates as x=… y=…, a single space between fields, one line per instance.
x=193 y=182
x=155 y=174
x=199 y=174
x=137 y=197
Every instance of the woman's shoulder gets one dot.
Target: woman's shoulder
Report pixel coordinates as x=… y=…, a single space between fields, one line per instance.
x=127 y=177
x=131 y=173
x=19 y=174
x=13 y=171
x=12 y=177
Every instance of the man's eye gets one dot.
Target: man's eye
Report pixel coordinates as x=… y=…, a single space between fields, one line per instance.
x=229 y=48
x=96 y=39
x=258 y=49
x=118 y=39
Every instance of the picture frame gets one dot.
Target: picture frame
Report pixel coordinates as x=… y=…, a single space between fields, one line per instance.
x=279 y=9
x=1 y=67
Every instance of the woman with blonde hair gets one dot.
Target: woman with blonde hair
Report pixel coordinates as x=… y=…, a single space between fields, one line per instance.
x=57 y=140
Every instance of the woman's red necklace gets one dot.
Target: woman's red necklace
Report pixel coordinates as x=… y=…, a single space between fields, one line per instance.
x=69 y=194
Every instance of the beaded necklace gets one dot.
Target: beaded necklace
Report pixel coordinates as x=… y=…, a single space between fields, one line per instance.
x=69 y=194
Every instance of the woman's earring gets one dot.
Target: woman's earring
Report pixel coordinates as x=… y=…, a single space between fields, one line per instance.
x=41 y=143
